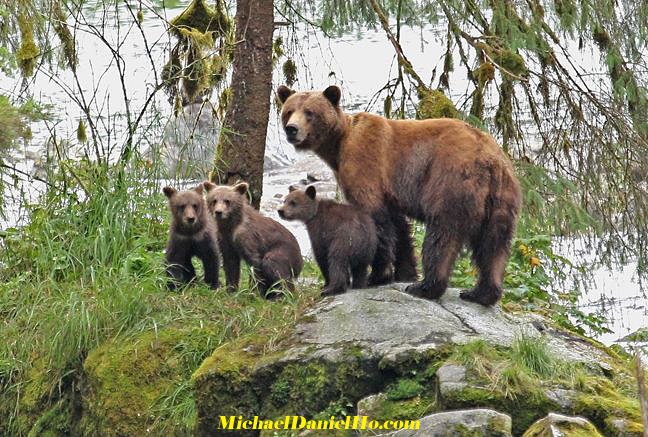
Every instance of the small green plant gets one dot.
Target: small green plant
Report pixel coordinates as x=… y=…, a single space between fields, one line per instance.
x=404 y=389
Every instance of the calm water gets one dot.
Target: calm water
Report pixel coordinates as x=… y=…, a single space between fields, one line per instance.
x=360 y=64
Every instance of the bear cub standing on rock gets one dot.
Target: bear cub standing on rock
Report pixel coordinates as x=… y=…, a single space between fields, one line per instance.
x=192 y=233
x=271 y=250
x=343 y=238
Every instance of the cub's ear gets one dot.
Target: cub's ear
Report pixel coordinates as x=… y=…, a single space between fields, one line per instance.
x=241 y=188
x=310 y=192
x=284 y=92
x=199 y=189
x=169 y=191
x=292 y=188
x=333 y=94
x=208 y=186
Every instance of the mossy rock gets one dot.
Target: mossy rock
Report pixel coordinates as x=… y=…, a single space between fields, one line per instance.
x=556 y=425
x=523 y=410
x=125 y=378
x=239 y=379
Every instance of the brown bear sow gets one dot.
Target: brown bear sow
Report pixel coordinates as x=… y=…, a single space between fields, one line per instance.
x=269 y=248
x=192 y=233
x=451 y=176
x=343 y=238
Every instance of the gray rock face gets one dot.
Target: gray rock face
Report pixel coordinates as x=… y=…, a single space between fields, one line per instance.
x=481 y=421
x=389 y=323
x=451 y=377
x=557 y=425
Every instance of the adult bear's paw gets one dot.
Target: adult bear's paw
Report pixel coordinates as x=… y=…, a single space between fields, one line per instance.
x=487 y=296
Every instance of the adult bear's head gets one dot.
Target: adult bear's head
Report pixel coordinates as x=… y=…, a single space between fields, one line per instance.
x=311 y=118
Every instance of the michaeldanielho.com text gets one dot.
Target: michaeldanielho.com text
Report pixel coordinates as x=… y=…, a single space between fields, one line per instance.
x=300 y=422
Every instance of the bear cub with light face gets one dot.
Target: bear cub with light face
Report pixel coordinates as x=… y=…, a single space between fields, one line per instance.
x=343 y=238
x=192 y=233
x=268 y=247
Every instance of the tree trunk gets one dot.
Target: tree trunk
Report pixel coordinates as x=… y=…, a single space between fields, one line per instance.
x=242 y=142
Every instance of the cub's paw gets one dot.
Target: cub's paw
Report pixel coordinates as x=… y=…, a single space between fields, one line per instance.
x=331 y=291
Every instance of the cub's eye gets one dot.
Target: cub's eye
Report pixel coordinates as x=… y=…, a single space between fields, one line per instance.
x=292 y=203
x=288 y=114
x=195 y=205
x=227 y=202
x=309 y=114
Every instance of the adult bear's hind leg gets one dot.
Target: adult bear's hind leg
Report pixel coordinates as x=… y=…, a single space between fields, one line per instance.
x=490 y=253
x=440 y=249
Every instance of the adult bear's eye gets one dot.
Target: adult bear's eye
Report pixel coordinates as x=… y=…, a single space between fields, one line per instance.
x=292 y=203
x=309 y=114
x=227 y=203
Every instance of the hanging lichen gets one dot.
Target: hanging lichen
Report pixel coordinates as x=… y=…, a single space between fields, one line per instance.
x=511 y=62
x=601 y=38
x=277 y=50
x=484 y=74
x=28 y=51
x=198 y=16
x=63 y=32
x=194 y=68
x=81 y=132
x=435 y=104
x=290 y=72
x=387 y=106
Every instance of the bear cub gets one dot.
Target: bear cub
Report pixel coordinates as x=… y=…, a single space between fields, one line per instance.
x=344 y=239
x=268 y=247
x=192 y=233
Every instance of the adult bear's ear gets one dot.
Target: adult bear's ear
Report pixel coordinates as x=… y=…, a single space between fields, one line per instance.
x=169 y=191
x=209 y=186
x=241 y=188
x=199 y=189
x=310 y=192
x=284 y=92
x=333 y=94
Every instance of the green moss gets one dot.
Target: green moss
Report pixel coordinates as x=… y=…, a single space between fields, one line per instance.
x=199 y=16
x=28 y=50
x=406 y=409
x=290 y=72
x=57 y=421
x=511 y=62
x=435 y=104
x=404 y=389
x=126 y=378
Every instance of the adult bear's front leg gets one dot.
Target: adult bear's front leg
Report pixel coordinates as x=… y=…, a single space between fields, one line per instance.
x=405 y=260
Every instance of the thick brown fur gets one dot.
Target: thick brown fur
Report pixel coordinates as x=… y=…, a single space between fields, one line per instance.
x=268 y=247
x=451 y=176
x=343 y=238
x=192 y=233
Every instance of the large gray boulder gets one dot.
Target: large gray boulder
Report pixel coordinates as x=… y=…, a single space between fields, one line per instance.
x=479 y=422
x=398 y=348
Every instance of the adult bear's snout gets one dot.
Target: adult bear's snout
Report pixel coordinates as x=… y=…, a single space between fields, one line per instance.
x=291 y=131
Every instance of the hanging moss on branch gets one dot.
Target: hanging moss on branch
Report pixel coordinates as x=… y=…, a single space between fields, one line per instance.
x=290 y=72
x=28 y=51
x=435 y=104
x=61 y=28
x=191 y=67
